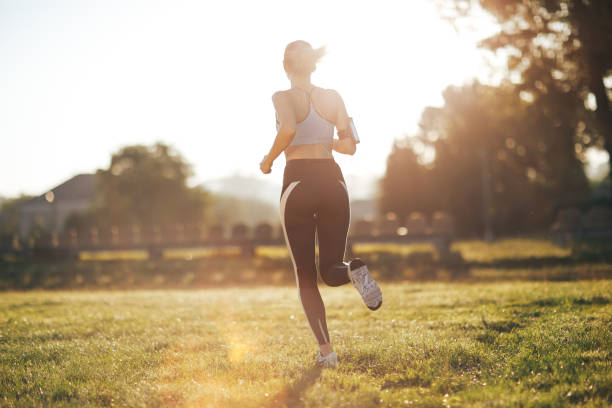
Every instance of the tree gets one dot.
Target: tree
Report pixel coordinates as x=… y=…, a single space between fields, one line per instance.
x=9 y=214
x=404 y=186
x=497 y=160
x=558 y=47
x=147 y=185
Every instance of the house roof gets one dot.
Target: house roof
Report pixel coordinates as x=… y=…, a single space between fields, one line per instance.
x=79 y=187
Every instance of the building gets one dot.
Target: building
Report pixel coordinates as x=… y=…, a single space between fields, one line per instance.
x=51 y=209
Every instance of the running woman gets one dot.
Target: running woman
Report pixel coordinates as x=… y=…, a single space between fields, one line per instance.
x=314 y=199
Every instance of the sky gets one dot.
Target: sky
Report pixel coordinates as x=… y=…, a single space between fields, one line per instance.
x=80 y=79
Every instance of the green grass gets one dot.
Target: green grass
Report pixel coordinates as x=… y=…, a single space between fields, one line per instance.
x=517 y=344
x=510 y=248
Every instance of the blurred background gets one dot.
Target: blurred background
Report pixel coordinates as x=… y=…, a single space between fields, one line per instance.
x=133 y=130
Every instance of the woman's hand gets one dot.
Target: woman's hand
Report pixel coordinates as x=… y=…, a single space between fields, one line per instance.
x=345 y=146
x=266 y=165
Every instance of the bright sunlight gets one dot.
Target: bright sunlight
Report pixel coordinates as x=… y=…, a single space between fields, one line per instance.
x=91 y=77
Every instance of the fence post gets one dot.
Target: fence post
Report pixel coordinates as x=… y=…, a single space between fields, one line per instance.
x=155 y=253
x=248 y=248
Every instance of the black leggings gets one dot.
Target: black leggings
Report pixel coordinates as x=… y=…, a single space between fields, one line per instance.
x=315 y=200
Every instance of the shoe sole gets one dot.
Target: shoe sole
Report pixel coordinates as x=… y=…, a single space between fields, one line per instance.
x=379 y=290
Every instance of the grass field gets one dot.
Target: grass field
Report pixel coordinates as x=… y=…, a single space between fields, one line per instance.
x=431 y=344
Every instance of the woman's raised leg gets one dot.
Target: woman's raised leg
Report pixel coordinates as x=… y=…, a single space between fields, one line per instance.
x=333 y=220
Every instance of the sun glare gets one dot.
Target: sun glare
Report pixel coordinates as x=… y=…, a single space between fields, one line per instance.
x=184 y=73
x=388 y=73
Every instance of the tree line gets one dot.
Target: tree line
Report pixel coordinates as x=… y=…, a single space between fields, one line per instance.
x=502 y=159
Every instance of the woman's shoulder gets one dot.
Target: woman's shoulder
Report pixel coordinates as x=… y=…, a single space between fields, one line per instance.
x=331 y=95
x=291 y=91
x=326 y=91
x=280 y=94
x=327 y=95
x=282 y=97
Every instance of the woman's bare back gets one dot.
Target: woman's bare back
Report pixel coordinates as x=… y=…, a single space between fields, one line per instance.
x=328 y=105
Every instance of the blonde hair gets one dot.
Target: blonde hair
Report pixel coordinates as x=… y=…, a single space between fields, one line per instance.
x=301 y=58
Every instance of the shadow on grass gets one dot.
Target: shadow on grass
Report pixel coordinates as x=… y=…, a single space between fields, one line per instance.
x=292 y=395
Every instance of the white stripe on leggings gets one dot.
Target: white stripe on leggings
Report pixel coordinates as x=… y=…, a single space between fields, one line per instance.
x=323 y=332
x=349 y=210
x=283 y=204
x=344 y=185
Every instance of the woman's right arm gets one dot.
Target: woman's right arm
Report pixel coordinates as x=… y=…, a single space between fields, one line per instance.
x=286 y=130
x=345 y=144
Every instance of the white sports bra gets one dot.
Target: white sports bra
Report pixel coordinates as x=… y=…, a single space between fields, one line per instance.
x=314 y=129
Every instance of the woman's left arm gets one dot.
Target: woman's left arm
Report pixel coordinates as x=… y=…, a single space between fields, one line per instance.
x=345 y=143
x=285 y=134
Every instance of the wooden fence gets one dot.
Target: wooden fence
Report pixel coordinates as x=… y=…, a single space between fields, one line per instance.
x=155 y=238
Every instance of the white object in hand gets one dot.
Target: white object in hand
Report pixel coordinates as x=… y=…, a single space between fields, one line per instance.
x=353 y=130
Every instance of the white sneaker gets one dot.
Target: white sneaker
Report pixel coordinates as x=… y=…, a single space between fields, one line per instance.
x=365 y=285
x=330 y=360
